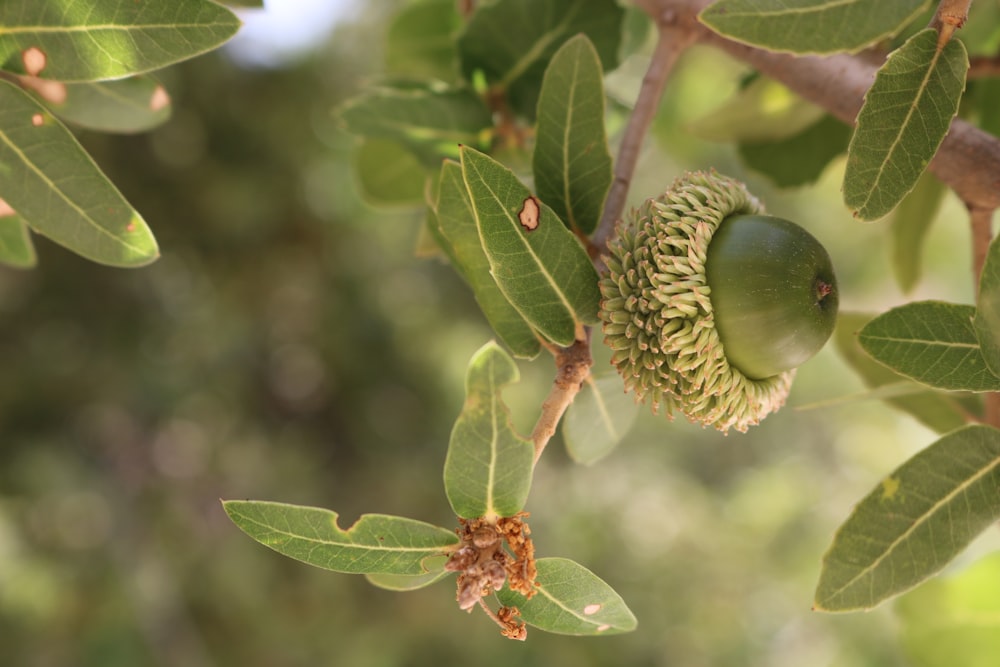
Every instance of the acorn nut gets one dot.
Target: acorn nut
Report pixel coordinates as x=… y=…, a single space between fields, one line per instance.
x=709 y=305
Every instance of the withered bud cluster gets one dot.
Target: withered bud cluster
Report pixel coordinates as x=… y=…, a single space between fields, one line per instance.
x=483 y=565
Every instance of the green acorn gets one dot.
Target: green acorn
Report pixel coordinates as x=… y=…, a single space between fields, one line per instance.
x=709 y=305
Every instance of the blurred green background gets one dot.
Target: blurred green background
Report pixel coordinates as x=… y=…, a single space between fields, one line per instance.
x=289 y=346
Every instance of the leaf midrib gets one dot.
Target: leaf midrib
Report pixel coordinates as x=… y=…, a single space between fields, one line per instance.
x=124 y=27
x=536 y=51
x=354 y=545
x=919 y=341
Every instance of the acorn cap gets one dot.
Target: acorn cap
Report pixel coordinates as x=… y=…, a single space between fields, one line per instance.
x=657 y=315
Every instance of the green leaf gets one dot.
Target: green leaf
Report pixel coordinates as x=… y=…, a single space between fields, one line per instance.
x=16 y=249
x=941 y=412
x=487 y=472
x=58 y=191
x=987 y=98
x=571 y=600
x=421 y=41
x=636 y=29
x=125 y=106
x=762 y=110
x=987 y=320
x=914 y=522
x=511 y=41
x=910 y=223
x=931 y=342
x=810 y=26
x=388 y=173
x=571 y=162
x=904 y=119
x=375 y=544
x=599 y=417
x=109 y=39
x=432 y=123
x=411 y=582
x=801 y=158
x=954 y=620
x=537 y=262
x=456 y=221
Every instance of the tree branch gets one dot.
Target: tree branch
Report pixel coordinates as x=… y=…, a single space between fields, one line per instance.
x=981 y=67
x=573 y=366
x=968 y=160
x=672 y=41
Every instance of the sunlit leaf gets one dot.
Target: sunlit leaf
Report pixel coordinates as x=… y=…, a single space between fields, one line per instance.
x=801 y=158
x=810 y=26
x=487 y=472
x=421 y=42
x=599 y=417
x=762 y=110
x=432 y=123
x=904 y=119
x=987 y=320
x=953 y=620
x=511 y=41
x=571 y=600
x=910 y=223
x=537 y=262
x=376 y=543
x=937 y=410
x=125 y=106
x=411 y=582
x=456 y=222
x=58 y=190
x=109 y=39
x=388 y=173
x=16 y=249
x=931 y=342
x=914 y=522
x=571 y=162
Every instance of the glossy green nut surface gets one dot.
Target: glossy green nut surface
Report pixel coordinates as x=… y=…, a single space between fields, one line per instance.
x=773 y=292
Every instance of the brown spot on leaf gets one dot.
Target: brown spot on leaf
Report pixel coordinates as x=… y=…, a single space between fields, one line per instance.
x=159 y=100
x=591 y=609
x=5 y=209
x=529 y=213
x=34 y=60
x=38 y=120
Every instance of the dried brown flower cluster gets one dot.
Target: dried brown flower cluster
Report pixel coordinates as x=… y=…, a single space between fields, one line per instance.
x=484 y=566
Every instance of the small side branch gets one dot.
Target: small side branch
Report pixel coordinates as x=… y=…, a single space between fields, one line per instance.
x=673 y=40
x=572 y=368
x=949 y=17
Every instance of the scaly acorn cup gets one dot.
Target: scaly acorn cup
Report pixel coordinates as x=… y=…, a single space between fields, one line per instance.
x=709 y=305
